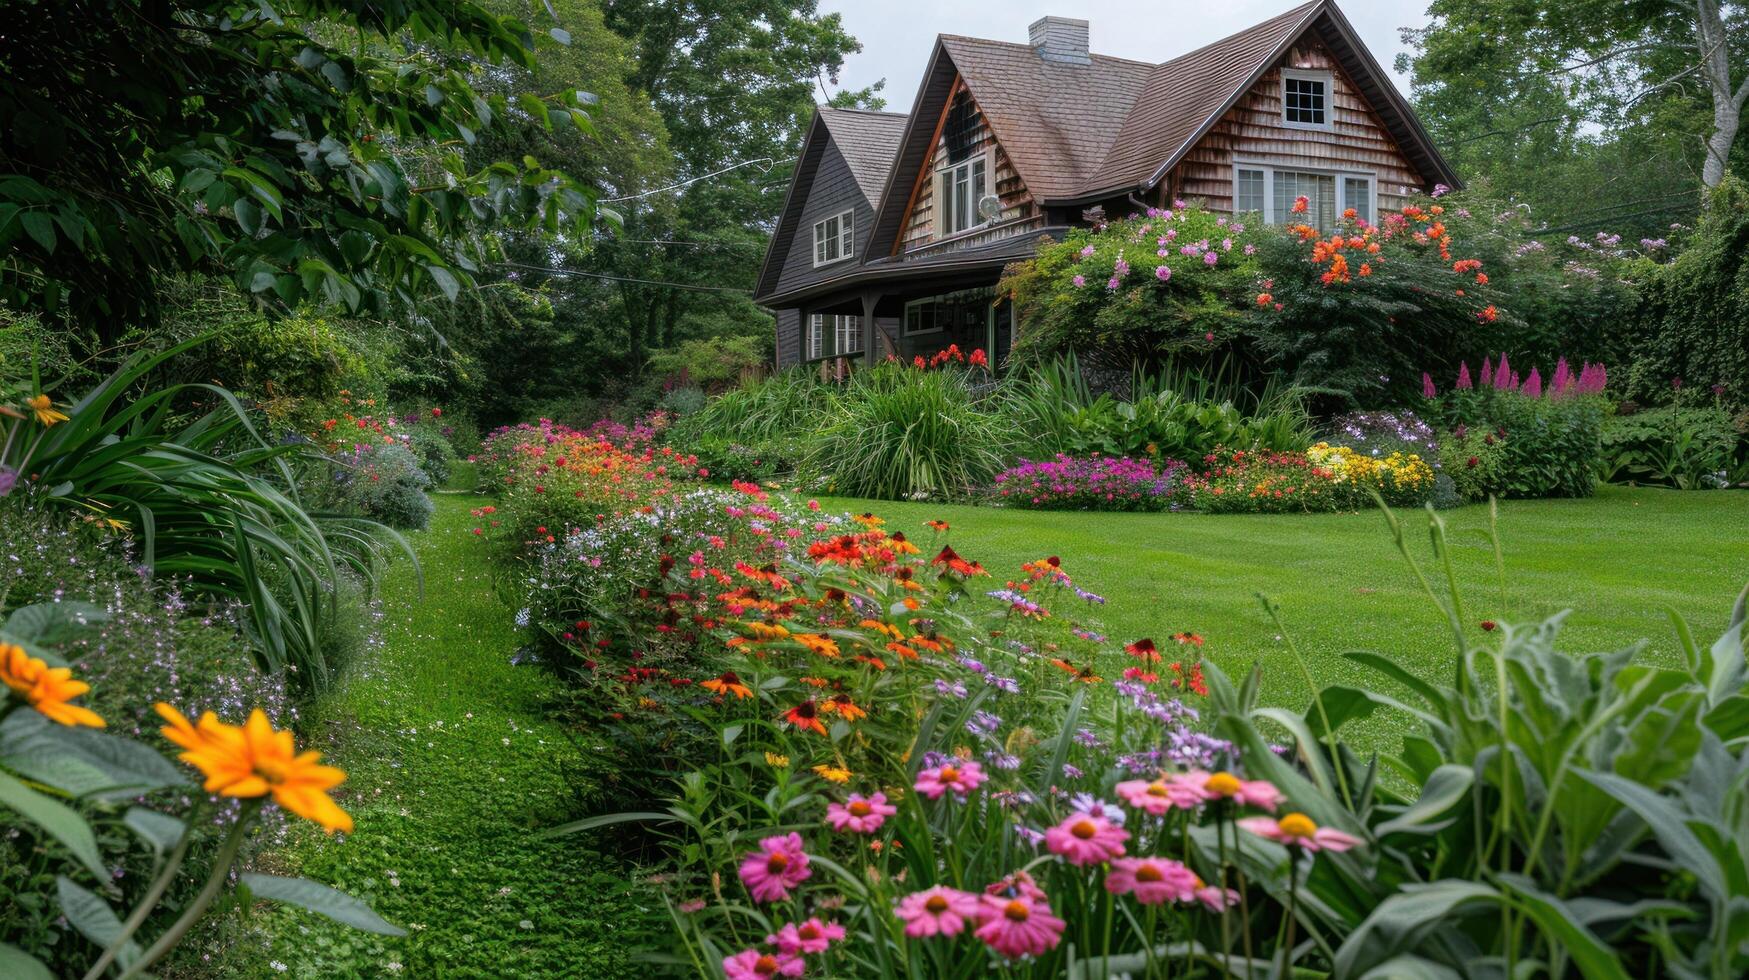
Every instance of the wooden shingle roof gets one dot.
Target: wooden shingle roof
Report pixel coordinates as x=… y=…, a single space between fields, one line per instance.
x=869 y=140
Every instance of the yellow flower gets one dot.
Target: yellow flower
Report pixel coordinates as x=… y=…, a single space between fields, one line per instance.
x=48 y=689
x=254 y=760
x=868 y=520
x=776 y=761
x=819 y=643
x=45 y=410
x=833 y=774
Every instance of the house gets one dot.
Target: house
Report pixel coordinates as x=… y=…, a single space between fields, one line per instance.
x=896 y=228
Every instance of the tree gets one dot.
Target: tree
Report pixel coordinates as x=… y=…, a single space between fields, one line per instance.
x=1564 y=96
x=307 y=150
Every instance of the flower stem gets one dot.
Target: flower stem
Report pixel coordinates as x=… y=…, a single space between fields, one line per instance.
x=210 y=890
x=147 y=903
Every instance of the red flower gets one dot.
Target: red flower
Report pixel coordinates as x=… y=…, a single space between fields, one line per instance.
x=1143 y=649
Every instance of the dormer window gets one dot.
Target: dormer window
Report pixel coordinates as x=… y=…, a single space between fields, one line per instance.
x=835 y=238
x=1305 y=99
x=959 y=189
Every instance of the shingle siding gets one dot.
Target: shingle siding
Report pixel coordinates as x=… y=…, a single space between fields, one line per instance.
x=834 y=191
x=789 y=338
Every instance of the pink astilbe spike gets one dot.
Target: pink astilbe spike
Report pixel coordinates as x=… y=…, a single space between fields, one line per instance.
x=1503 y=374
x=1463 y=381
x=1533 y=385
x=1487 y=376
x=1563 y=376
x=1513 y=382
x=1427 y=390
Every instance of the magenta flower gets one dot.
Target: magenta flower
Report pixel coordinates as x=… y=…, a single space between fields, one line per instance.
x=1019 y=926
x=1503 y=374
x=1463 y=378
x=1533 y=385
x=1487 y=375
x=1298 y=830
x=778 y=866
x=937 y=911
x=1080 y=281
x=751 y=964
x=1215 y=898
x=1153 y=880
x=812 y=936
x=1210 y=258
x=861 y=814
x=1163 y=272
x=961 y=777
x=1184 y=791
x=1427 y=390
x=1084 y=839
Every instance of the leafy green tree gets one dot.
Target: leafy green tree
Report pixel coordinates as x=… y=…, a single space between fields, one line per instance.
x=308 y=150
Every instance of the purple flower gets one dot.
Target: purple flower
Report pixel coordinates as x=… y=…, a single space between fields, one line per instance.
x=8 y=480
x=1080 y=281
x=1210 y=258
x=1163 y=272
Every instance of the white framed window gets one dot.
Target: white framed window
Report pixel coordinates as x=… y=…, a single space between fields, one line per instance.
x=835 y=238
x=845 y=331
x=920 y=317
x=958 y=189
x=1305 y=98
x=1260 y=188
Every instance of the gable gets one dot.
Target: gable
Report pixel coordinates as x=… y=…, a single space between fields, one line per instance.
x=834 y=190
x=961 y=132
x=1357 y=141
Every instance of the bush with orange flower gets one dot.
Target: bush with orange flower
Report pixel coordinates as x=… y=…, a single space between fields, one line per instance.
x=555 y=480
x=62 y=775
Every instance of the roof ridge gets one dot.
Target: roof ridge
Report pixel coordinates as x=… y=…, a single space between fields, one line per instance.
x=1027 y=46
x=1284 y=15
x=866 y=112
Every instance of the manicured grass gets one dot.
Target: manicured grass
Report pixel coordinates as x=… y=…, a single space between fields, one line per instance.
x=454 y=766
x=1617 y=560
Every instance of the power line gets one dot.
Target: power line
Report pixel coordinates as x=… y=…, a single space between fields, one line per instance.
x=646 y=282
x=766 y=161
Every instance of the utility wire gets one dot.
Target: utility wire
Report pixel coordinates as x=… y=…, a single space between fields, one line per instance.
x=766 y=162
x=647 y=282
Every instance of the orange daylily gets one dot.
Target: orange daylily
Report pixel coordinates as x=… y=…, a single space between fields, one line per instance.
x=45 y=410
x=47 y=689
x=254 y=760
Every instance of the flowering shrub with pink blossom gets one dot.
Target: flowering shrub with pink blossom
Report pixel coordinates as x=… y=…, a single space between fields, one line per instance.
x=1088 y=483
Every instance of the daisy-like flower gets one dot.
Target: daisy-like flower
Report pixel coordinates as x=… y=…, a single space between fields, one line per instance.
x=1156 y=796
x=45 y=410
x=961 y=777
x=751 y=964
x=45 y=688
x=727 y=683
x=1144 y=650
x=806 y=716
x=1249 y=792
x=860 y=814
x=1018 y=925
x=937 y=911
x=778 y=866
x=868 y=520
x=939 y=527
x=1153 y=880
x=1215 y=898
x=1083 y=839
x=1298 y=830
x=832 y=774
x=818 y=643
x=812 y=936
x=254 y=760
x=841 y=705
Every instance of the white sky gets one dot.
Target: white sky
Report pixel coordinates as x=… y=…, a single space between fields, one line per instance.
x=897 y=35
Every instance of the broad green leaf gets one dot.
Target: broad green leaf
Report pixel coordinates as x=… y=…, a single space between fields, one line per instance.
x=93 y=917
x=1446 y=789
x=1400 y=922
x=16 y=964
x=81 y=762
x=248 y=215
x=1591 y=955
x=1343 y=704
x=50 y=624
x=159 y=830
x=606 y=820
x=56 y=819
x=322 y=900
x=40 y=227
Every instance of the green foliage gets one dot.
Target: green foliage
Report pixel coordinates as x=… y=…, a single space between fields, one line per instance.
x=1692 y=328
x=1545 y=447
x=1475 y=460
x=1686 y=448
x=897 y=431
x=779 y=405
x=383 y=482
x=432 y=450
x=711 y=362
x=1071 y=297
x=316 y=162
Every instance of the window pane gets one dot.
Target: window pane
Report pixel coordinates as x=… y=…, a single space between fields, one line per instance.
x=1319 y=190
x=944 y=206
x=814 y=332
x=1303 y=101
x=1248 y=195
x=1357 y=194
x=847 y=235
x=979 y=189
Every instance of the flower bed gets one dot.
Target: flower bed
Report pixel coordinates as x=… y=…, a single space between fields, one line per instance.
x=1088 y=483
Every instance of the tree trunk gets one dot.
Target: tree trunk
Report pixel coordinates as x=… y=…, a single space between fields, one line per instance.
x=1715 y=54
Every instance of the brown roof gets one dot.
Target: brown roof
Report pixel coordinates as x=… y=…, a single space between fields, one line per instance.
x=1187 y=93
x=869 y=140
x=1054 y=120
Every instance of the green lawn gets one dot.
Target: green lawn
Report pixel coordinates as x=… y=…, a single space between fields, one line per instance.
x=1617 y=560
x=454 y=765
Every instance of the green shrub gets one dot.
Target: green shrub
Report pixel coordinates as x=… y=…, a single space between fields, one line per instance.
x=897 y=432
x=433 y=450
x=783 y=405
x=683 y=400
x=383 y=482
x=1686 y=448
x=1475 y=461
x=727 y=458
x=1693 y=320
x=711 y=362
x=1549 y=445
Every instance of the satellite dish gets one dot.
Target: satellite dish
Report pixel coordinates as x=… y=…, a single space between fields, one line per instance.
x=989 y=207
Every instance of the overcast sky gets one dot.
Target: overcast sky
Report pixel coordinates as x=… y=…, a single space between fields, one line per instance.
x=897 y=35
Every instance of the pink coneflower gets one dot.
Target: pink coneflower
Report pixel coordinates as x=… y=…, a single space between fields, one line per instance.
x=1250 y=792
x=961 y=777
x=1215 y=898
x=778 y=866
x=1159 y=795
x=1298 y=830
x=751 y=964
x=1019 y=926
x=812 y=936
x=937 y=911
x=861 y=814
x=1153 y=880
x=1084 y=839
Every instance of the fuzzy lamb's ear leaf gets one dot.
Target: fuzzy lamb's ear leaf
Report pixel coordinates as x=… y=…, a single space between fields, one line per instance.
x=159 y=830
x=1445 y=790
x=19 y=965
x=46 y=626
x=320 y=899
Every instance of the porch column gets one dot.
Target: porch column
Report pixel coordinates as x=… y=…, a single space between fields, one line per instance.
x=869 y=328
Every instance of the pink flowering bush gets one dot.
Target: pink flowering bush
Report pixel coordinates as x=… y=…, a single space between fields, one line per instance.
x=1088 y=483
x=1515 y=435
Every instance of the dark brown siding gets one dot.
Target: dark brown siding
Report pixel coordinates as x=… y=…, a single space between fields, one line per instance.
x=834 y=190
x=1253 y=129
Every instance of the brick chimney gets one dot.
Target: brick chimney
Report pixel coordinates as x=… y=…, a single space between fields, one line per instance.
x=1060 y=39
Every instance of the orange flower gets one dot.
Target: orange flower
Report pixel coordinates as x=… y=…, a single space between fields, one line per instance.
x=846 y=708
x=1083 y=674
x=939 y=527
x=805 y=716
x=48 y=689
x=818 y=643
x=45 y=410
x=901 y=545
x=254 y=760
x=868 y=520
x=727 y=683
